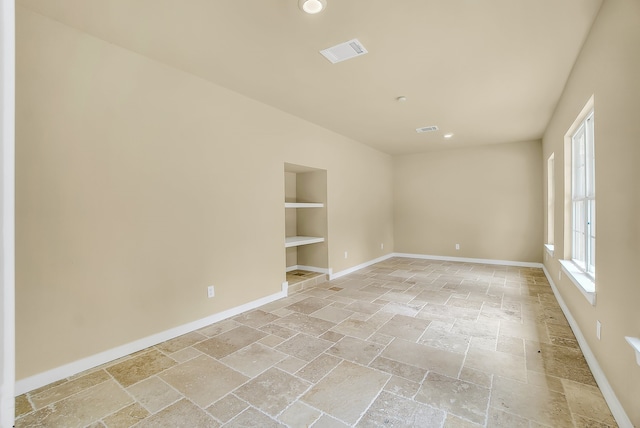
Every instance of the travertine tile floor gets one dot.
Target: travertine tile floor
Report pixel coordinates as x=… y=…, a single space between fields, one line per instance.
x=404 y=343
x=303 y=279
x=295 y=276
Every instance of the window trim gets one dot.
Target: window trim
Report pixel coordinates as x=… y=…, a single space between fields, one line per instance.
x=586 y=197
x=584 y=282
x=550 y=249
x=551 y=202
x=581 y=280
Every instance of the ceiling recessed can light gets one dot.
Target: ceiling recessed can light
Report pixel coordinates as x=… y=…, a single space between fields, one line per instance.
x=449 y=135
x=401 y=99
x=312 y=6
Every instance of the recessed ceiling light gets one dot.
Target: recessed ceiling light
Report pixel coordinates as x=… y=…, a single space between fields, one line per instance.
x=312 y=6
x=401 y=99
x=449 y=135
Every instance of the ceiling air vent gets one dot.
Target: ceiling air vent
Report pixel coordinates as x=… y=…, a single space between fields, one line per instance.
x=344 y=51
x=426 y=129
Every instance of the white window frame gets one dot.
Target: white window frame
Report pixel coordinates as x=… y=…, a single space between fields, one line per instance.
x=583 y=196
x=551 y=203
x=578 y=261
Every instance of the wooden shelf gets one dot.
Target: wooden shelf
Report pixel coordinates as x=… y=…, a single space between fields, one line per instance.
x=296 y=241
x=303 y=205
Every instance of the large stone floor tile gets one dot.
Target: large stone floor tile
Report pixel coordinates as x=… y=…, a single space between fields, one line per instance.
x=531 y=402
x=203 y=380
x=426 y=357
x=587 y=401
x=497 y=363
x=303 y=323
x=183 y=414
x=355 y=350
x=304 y=347
x=181 y=342
x=140 y=367
x=272 y=391
x=393 y=411
x=81 y=409
x=66 y=389
x=318 y=368
x=227 y=408
x=154 y=394
x=252 y=418
x=405 y=327
x=230 y=341
x=347 y=391
x=456 y=396
x=253 y=359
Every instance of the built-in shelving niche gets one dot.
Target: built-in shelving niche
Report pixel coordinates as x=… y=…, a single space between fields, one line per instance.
x=305 y=208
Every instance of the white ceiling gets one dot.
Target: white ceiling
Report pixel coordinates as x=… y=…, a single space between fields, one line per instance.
x=489 y=71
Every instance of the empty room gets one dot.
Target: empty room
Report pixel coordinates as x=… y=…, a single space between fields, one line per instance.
x=320 y=213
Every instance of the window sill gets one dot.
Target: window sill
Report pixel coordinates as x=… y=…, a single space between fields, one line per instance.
x=549 y=248
x=585 y=284
x=635 y=344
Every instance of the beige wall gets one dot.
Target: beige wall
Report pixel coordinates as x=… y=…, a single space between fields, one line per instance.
x=608 y=68
x=139 y=185
x=487 y=199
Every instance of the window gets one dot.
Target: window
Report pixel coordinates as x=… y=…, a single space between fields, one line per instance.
x=551 y=198
x=583 y=196
x=579 y=249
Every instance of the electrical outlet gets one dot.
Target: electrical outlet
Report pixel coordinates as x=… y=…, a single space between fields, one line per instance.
x=598 y=329
x=210 y=291
x=382 y=246
x=345 y=255
x=457 y=246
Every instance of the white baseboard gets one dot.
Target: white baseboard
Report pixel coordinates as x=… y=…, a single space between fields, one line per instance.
x=58 y=373
x=432 y=257
x=360 y=266
x=469 y=260
x=310 y=269
x=601 y=379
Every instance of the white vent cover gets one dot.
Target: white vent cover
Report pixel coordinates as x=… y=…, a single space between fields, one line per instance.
x=344 y=51
x=427 y=129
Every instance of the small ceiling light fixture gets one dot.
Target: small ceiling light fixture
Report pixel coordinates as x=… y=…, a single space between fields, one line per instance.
x=447 y=136
x=401 y=99
x=312 y=6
